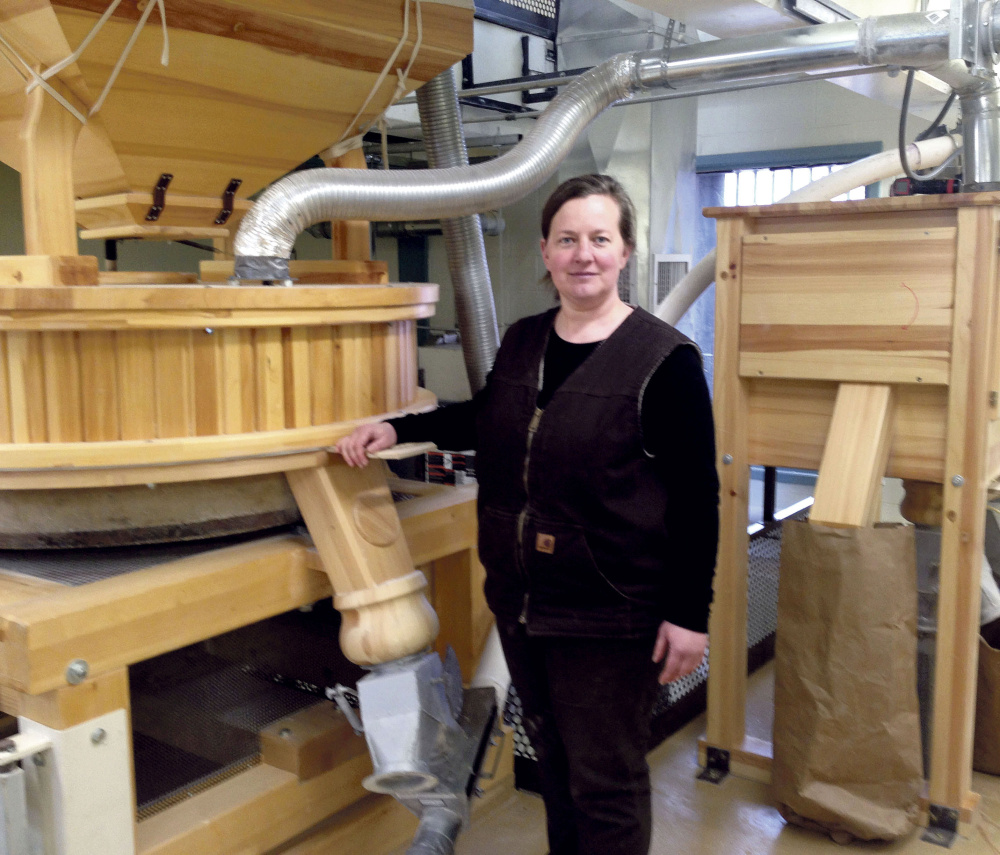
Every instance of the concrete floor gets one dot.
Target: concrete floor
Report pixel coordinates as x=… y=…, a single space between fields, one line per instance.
x=692 y=817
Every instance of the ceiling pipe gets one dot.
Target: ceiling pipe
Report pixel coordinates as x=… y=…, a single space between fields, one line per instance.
x=268 y=232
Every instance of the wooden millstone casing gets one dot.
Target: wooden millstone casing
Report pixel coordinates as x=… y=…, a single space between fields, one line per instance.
x=120 y=385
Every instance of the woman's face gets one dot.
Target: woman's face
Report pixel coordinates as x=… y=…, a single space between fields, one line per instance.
x=585 y=252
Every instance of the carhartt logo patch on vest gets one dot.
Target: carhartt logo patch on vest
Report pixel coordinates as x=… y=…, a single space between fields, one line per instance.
x=545 y=543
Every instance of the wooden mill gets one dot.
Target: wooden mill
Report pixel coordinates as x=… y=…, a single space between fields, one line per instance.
x=157 y=120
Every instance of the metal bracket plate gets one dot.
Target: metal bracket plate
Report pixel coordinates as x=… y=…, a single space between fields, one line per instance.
x=716 y=766
x=159 y=197
x=228 y=201
x=942 y=826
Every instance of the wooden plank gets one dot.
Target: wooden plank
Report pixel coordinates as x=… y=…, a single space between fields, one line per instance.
x=126 y=619
x=253 y=812
x=857 y=306
x=848 y=365
x=209 y=387
x=144 y=277
x=100 y=387
x=48 y=137
x=136 y=365
x=298 y=377
x=439 y=523
x=849 y=486
x=64 y=407
x=232 y=343
x=21 y=271
x=134 y=454
x=323 y=372
x=788 y=423
x=71 y=705
x=119 y=209
x=6 y=434
x=727 y=683
x=131 y=232
x=311 y=271
x=25 y=378
x=310 y=742
x=270 y=374
x=465 y=620
x=966 y=480
x=353 y=356
x=377 y=400
x=174 y=383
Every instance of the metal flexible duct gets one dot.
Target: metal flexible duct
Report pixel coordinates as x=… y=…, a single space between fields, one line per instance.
x=444 y=139
x=266 y=236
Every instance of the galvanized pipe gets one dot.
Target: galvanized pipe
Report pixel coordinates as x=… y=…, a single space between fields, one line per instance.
x=268 y=232
x=444 y=139
x=436 y=833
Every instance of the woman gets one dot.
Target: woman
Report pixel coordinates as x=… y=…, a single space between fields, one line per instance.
x=598 y=518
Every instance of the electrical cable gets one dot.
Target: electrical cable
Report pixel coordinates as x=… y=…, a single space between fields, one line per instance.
x=904 y=109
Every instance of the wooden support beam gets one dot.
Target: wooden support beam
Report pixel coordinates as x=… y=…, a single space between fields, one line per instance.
x=849 y=486
x=727 y=688
x=48 y=138
x=963 y=523
x=43 y=271
x=70 y=705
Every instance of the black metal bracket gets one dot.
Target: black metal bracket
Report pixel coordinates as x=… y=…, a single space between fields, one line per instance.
x=942 y=826
x=159 y=197
x=716 y=766
x=228 y=201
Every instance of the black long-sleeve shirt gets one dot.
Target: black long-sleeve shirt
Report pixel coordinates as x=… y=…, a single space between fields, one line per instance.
x=678 y=434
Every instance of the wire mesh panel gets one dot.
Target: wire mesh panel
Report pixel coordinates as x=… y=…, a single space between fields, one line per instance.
x=536 y=17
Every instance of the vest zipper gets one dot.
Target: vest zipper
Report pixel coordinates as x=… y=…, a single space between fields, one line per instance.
x=522 y=517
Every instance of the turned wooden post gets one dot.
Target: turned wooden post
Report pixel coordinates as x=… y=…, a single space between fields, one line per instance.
x=353 y=522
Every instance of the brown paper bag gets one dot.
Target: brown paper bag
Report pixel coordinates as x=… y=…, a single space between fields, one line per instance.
x=986 y=746
x=847 y=753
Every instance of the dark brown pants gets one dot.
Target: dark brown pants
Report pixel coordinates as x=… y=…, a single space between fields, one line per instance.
x=586 y=705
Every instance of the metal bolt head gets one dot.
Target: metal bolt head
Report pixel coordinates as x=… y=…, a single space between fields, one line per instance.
x=727 y=459
x=98 y=736
x=285 y=733
x=76 y=671
x=957 y=480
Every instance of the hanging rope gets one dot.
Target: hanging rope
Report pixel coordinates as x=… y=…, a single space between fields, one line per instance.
x=401 y=74
x=36 y=79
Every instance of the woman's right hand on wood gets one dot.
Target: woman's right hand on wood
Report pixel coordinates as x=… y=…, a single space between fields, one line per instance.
x=366 y=439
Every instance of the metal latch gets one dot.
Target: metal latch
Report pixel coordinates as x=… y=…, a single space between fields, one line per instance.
x=228 y=201
x=159 y=198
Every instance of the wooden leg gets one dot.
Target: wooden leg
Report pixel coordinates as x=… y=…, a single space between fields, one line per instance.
x=963 y=522
x=849 y=486
x=48 y=139
x=352 y=520
x=727 y=680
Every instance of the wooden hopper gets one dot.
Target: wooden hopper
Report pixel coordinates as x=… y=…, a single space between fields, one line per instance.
x=251 y=89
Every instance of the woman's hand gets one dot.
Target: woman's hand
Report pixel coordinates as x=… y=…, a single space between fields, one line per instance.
x=682 y=649
x=366 y=439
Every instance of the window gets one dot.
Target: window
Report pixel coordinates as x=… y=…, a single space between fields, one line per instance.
x=764 y=186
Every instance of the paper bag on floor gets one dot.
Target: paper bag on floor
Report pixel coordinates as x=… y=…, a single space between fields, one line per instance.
x=986 y=747
x=847 y=756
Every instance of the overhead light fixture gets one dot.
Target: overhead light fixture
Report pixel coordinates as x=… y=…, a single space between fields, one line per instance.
x=818 y=11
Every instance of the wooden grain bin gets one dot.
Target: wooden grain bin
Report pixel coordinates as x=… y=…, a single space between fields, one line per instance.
x=251 y=89
x=860 y=339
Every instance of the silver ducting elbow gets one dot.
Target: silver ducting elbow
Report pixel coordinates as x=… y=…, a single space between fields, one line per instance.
x=437 y=833
x=289 y=206
x=444 y=139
